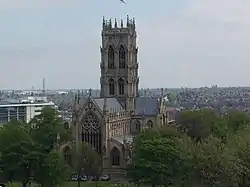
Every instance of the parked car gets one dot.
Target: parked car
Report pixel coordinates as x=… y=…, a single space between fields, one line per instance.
x=83 y=178
x=105 y=177
x=74 y=176
x=95 y=178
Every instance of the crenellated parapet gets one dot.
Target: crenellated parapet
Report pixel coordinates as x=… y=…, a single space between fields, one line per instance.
x=118 y=123
x=118 y=116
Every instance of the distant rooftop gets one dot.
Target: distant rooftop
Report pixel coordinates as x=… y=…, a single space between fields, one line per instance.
x=25 y=100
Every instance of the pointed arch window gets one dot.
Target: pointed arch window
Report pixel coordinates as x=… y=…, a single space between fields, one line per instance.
x=122 y=57
x=111 y=87
x=115 y=157
x=91 y=131
x=138 y=126
x=111 y=58
x=121 y=86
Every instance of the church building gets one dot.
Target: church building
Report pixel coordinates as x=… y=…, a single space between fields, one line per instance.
x=110 y=123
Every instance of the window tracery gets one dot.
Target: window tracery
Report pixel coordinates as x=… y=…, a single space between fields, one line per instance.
x=122 y=57
x=91 y=131
x=111 y=58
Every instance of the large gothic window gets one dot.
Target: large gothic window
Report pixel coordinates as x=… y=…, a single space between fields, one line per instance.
x=121 y=86
x=122 y=57
x=111 y=58
x=91 y=131
x=111 y=87
x=115 y=157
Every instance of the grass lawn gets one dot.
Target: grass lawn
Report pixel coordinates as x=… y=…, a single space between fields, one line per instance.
x=72 y=184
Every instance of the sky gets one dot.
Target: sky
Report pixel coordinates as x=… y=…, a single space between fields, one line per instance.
x=182 y=43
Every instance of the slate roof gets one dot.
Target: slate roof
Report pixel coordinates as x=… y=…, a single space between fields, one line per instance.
x=112 y=104
x=147 y=106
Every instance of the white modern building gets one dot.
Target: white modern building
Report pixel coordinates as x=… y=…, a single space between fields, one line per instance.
x=23 y=109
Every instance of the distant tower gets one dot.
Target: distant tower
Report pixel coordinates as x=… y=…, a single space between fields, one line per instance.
x=43 y=91
x=119 y=66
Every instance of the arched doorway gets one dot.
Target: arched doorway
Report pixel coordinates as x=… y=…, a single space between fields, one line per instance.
x=115 y=157
x=67 y=155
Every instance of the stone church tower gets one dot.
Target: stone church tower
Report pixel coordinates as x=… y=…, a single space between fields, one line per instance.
x=110 y=123
x=119 y=66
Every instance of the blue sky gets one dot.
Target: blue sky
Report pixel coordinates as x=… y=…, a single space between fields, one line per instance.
x=181 y=43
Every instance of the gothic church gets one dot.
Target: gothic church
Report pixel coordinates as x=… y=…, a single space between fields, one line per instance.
x=111 y=122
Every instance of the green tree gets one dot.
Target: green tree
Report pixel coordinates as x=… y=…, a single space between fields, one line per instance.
x=52 y=170
x=86 y=161
x=219 y=156
x=28 y=150
x=160 y=159
x=44 y=130
x=18 y=153
x=198 y=124
x=237 y=120
x=215 y=164
x=239 y=144
x=45 y=127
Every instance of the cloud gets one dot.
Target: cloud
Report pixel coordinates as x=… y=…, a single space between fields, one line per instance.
x=205 y=43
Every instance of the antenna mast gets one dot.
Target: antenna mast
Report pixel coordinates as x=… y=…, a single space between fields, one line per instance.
x=43 y=91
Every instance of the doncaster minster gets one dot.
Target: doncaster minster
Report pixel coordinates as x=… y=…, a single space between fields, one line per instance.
x=110 y=123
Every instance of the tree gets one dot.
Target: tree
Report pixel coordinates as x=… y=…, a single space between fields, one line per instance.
x=52 y=169
x=44 y=130
x=45 y=127
x=198 y=124
x=28 y=150
x=86 y=161
x=18 y=153
x=159 y=159
x=239 y=144
x=237 y=120
x=204 y=149
x=215 y=164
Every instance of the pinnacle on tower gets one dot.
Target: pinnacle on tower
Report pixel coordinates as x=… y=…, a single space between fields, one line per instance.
x=115 y=23
x=127 y=20
x=121 y=23
x=110 y=23
x=103 y=22
x=107 y=24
